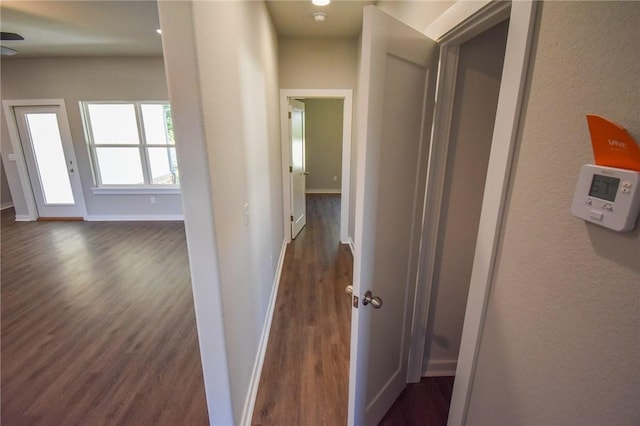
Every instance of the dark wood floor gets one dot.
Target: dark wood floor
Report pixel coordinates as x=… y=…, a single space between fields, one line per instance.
x=98 y=325
x=305 y=374
x=422 y=404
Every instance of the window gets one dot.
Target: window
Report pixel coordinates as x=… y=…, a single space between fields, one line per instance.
x=131 y=144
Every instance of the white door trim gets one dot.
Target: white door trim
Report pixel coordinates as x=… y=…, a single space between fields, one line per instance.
x=347 y=96
x=471 y=22
x=481 y=19
x=512 y=87
x=16 y=145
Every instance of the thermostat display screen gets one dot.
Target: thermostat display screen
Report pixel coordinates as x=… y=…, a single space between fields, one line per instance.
x=604 y=187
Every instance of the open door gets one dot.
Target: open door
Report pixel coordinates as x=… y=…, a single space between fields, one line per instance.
x=297 y=169
x=396 y=100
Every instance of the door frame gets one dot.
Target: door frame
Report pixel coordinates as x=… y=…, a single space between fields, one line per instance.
x=16 y=144
x=460 y=23
x=347 y=97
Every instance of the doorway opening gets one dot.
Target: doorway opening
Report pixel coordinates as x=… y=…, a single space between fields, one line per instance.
x=475 y=103
x=45 y=158
x=343 y=176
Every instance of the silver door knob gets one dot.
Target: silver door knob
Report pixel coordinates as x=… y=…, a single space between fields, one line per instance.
x=375 y=301
x=349 y=290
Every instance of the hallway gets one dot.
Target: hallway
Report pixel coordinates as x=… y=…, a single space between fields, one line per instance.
x=305 y=373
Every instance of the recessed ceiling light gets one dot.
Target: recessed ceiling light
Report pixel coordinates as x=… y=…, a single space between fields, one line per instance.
x=320 y=2
x=159 y=31
x=319 y=17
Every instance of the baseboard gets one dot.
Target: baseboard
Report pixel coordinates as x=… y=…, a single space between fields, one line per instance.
x=323 y=191
x=250 y=402
x=24 y=218
x=134 y=218
x=6 y=206
x=440 y=368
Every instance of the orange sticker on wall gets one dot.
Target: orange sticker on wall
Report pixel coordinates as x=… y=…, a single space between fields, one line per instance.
x=612 y=144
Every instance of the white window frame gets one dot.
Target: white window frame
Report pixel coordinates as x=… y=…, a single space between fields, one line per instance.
x=145 y=188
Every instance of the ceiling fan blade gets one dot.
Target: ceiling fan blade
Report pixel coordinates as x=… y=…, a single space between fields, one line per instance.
x=5 y=51
x=10 y=36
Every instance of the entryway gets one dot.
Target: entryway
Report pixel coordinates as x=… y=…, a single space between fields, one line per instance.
x=294 y=174
x=45 y=159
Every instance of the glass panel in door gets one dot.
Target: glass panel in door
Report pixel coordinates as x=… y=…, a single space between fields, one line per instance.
x=49 y=158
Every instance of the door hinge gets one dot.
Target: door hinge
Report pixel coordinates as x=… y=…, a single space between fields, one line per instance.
x=289 y=115
x=355 y=302
x=290 y=169
x=291 y=218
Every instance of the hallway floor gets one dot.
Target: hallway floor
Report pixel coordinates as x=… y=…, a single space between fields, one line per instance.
x=305 y=374
x=306 y=369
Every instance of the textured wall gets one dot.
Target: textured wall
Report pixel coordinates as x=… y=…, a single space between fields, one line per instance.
x=561 y=342
x=239 y=96
x=323 y=144
x=418 y=14
x=5 y=192
x=317 y=63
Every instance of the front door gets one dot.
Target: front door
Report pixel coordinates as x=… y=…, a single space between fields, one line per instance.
x=51 y=163
x=397 y=89
x=297 y=170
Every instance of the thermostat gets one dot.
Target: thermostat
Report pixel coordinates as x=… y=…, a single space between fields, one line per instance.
x=607 y=196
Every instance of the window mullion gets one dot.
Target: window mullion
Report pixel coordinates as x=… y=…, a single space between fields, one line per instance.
x=143 y=146
x=93 y=156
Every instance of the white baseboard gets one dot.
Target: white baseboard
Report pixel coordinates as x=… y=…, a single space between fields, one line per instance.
x=439 y=368
x=323 y=191
x=250 y=401
x=6 y=206
x=133 y=218
x=24 y=218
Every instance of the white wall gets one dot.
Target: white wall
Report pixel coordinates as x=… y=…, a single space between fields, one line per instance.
x=417 y=14
x=5 y=192
x=324 y=63
x=83 y=79
x=317 y=63
x=225 y=101
x=474 y=112
x=323 y=144
x=561 y=341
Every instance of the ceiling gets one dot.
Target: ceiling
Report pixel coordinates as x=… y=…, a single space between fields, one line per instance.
x=295 y=18
x=128 y=28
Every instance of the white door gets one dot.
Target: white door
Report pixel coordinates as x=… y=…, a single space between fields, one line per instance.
x=297 y=168
x=51 y=163
x=395 y=106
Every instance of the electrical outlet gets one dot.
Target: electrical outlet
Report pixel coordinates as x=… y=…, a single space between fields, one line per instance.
x=335 y=178
x=246 y=214
x=152 y=200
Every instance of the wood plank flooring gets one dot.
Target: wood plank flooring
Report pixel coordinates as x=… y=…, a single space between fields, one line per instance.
x=305 y=374
x=422 y=404
x=98 y=325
